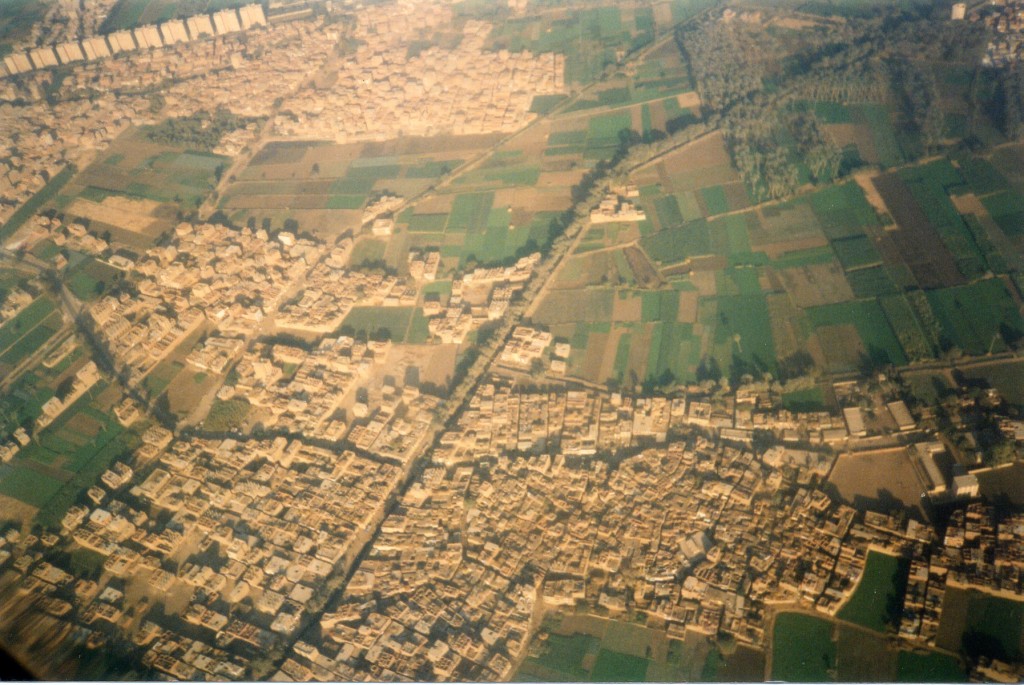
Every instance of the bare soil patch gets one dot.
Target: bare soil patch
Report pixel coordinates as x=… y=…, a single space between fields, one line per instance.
x=870 y=479
x=816 y=284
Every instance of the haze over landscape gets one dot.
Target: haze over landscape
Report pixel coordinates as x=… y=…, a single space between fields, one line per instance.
x=512 y=340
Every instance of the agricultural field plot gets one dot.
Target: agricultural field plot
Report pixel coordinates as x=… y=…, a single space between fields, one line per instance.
x=866 y=316
x=842 y=210
x=975 y=622
x=878 y=597
x=802 y=648
x=136 y=189
x=586 y=648
x=595 y=268
x=929 y=667
x=814 y=649
x=399 y=324
x=701 y=177
x=1007 y=378
x=816 y=284
x=741 y=334
x=28 y=332
x=786 y=227
x=470 y=228
x=625 y=335
x=931 y=185
x=90 y=278
x=68 y=455
x=932 y=268
x=324 y=186
x=590 y=37
x=978 y=318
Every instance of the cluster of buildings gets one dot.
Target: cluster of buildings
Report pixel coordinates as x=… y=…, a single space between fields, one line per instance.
x=1003 y=17
x=84 y=378
x=525 y=347
x=453 y=322
x=331 y=291
x=531 y=501
x=64 y=21
x=705 y=536
x=249 y=535
x=384 y=89
x=208 y=274
x=96 y=101
x=99 y=47
x=613 y=208
x=980 y=550
x=301 y=390
x=15 y=300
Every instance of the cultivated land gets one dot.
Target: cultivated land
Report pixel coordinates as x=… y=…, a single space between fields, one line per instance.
x=540 y=341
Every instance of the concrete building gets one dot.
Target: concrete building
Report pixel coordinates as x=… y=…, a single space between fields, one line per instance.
x=226 y=21
x=173 y=32
x=252 y=15
x=855 y=421
x=17 y=63
x=148 y=37
x=95 y=48
x=959 y=11
x=199 y=26
x=121 y=41
x=901 y=415
x=70 y=52
x=43 y=57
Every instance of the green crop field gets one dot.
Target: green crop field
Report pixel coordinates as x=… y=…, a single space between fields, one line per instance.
x=714 y=200
x=470 y=212
x=908 y=330
x=672 y=349
x=26 y=320
x=977 y=317
x=427 y=223
x=877 y=601
x=871 y=282
x=31 y=341
x=802 y=649
x=677 y=244
x=90 y=278
x=743 y=332
x=843 y=210
x=877 y=119
x=856 y=252
x=23 y=482
x=616 y=667
x=932 y=667
x=562 y=306
x=378 y=323
x=659 y=306
x=603 y=130
x=1007 y=209
x=868 y=318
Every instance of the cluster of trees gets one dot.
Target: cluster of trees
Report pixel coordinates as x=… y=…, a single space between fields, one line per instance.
x=199 y=131
x=1011 y=93
x=751 y=80
x=751 y=135
x=722 y=62
x=821 y=156
x=921 y=101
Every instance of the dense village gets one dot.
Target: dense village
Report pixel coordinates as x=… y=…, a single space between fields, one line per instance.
x=358 y=523
x=530 y=503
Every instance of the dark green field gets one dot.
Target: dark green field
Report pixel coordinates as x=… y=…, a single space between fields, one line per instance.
x=876 y=602
x=802 y=649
